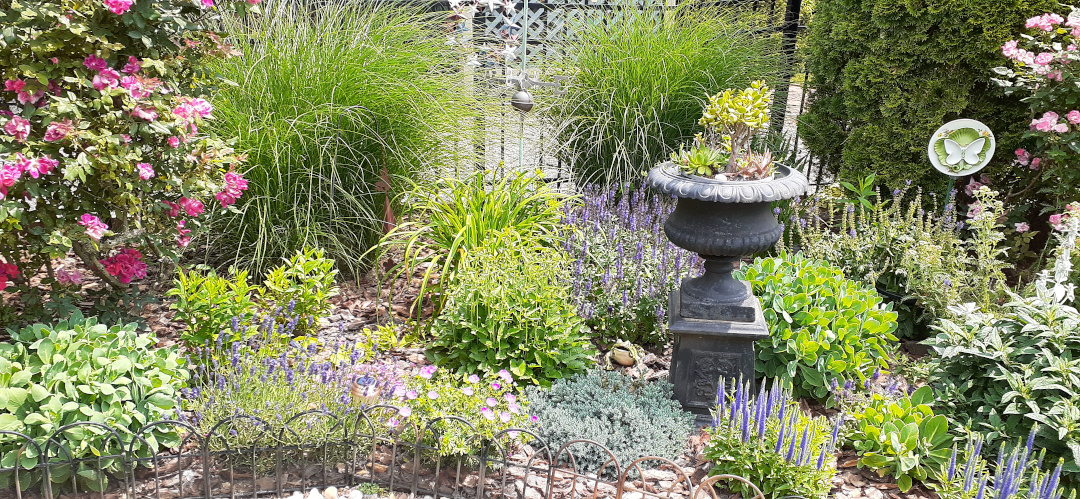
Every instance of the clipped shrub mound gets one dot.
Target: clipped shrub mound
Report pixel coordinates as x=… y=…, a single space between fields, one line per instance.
x=824 y=329
x=630 y=417
x=887 y=73
x=79 y=370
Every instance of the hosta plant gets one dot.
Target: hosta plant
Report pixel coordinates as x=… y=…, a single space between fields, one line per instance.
x=100 y=148
x=79 y=370
x=902 y=437
x=824 y=329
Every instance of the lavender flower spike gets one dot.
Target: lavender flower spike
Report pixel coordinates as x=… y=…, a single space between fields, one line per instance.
x=802 y=446
x=952 y=465
x=783 y=426
x=982 y=488
x=791 y=446
x=821 y=458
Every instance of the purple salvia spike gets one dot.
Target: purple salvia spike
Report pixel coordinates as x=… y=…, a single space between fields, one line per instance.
x=1051 y=486
x=836 y=430
x=720 y=395
x=783 y=427
x=802 y=446
x=952 y=464
x=821 y=458
x=982 y=488
x=791 y=446
x=969 y=470
x=745 y=422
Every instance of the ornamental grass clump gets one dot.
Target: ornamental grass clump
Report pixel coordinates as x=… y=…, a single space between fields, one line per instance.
x=624 y=267
x=639 y=80
x=102 y=136
x=326 y=96
x=769 y=441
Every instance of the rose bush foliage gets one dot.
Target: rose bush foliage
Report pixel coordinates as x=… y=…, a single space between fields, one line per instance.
x=100 y=149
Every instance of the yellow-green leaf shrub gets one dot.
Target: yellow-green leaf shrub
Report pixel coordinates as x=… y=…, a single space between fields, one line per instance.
x=824 y=329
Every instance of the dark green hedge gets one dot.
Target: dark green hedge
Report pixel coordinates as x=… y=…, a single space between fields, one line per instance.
x=887 y=73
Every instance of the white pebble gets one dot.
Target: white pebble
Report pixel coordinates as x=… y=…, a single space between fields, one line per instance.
x=330 y=493
x=297 y=495
x=314 y=494
x=356 y=494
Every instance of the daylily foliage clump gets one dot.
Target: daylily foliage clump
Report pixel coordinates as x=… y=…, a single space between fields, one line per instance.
x=100 y=143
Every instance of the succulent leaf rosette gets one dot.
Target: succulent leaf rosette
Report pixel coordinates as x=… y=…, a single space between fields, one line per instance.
x=730 y=119
x=100 y=143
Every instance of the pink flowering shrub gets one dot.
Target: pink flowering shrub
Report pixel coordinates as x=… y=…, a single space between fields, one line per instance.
x=100 y=139
x=1043 y=73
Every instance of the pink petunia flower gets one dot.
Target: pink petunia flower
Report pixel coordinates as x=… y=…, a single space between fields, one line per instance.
x=504 y=417
x=491 y=402
x=405 y=412
x=427 y=372
x=95 y=228
x=487 y=413
x=208 y=3
x=1022 y=227
x=146 y=113
x=18 y=127
x=432 y=394
x=411 y=395
x=145 y=170
x=59 y=130
x=118 y=7
x=467 y=391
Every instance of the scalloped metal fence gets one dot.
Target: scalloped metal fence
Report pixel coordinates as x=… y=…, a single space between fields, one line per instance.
x=361 y=449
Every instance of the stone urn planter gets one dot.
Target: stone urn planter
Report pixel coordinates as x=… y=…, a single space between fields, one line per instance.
x=714 y=318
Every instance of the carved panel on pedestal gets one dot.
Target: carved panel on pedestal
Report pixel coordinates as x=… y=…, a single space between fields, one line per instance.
x=706 y=370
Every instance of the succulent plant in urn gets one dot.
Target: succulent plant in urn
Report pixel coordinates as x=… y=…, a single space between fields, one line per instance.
x=724 y=190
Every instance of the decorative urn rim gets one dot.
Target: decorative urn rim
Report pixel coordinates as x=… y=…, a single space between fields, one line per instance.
x=670 y=179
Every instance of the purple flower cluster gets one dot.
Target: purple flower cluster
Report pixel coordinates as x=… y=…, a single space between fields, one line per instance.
x=1009 y=473
x=752 y=417
x=624 y=266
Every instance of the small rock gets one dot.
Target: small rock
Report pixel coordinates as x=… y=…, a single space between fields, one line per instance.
x=470 y=481
x=633 y=495
x=356 y=494
x=330 y=493
x=297 y=495
x=857 y=481
x=658 y=475
x=873 y=493
x=314 y=494
x=666 y=484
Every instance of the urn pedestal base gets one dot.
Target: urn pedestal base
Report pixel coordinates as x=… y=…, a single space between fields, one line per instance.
x=706 y=350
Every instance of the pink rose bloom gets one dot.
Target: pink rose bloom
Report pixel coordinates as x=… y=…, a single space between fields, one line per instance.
x=106 y=79
x=193 y=207
x=1044 y=58
x=174 y=141
x=132 y=65
x=1073 y=117
x=1054 y=75
x=254 y=2
x=126 y=265
x=146 y=113
x=25 y=97
x=1022 y=227
x=1035 y=163
x=68 y=278
x=15 y=85
x=94 y=63
x=1055 y=219
x=9 y=174
x=1061 y=128
x=182 y=238
x=1071 y=47
x=1023 y=157
x=45 y=166
x=95 y=228
x=134 y=87
x=487 y=413
x=59 y=130
x=1009 y=49
x=145 y=170
x=118 y=7
x=174 y=209
x=18 y=127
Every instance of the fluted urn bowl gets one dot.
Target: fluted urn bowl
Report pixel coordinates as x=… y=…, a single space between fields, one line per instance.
x=722 y=221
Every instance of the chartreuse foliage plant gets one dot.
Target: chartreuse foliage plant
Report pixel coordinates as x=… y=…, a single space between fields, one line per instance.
x=509 y=308
x=211 y=305
x=621 y=114
x=887 y=73
x=101 y=143
x=629 y=416
x=453 y=217
x=79 y=370
x=768 y=440
x=327 y=95
x=824 y=329
x=902 y=437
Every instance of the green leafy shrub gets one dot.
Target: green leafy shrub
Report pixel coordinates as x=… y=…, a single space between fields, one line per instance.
x=897 y=245
x=509 y=309
x=304 y=284
x=887 y=73
x=453 y=217
x=79 y=370
x=101 y=110
x=901 y=436
x=326 y=97
x=824 y=329
x=630 y=417
x=210 y=305
x=758 y=438
x=621 y=114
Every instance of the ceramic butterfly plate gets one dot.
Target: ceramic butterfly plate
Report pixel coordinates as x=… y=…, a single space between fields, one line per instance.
x=961 y=147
